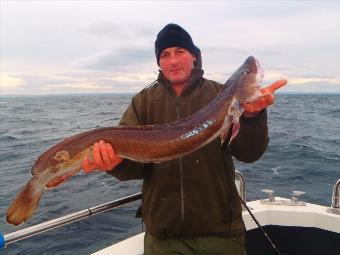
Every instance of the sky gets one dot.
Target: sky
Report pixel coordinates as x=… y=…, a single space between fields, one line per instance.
x=61 y=47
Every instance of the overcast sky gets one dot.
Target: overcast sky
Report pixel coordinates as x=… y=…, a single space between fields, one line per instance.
x=50 y=47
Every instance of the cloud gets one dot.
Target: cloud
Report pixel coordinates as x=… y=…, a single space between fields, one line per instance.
x=314 y=87
x=8 y=81
x=303 y=80
x=108 y=45
x=76 y=83
x=118 y=59
x=118 y=32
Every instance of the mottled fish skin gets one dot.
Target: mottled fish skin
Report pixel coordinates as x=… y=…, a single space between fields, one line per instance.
x=150 y=143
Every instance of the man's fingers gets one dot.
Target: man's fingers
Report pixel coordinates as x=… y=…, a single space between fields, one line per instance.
x=266 y=99
x=105 y=156
x=113 y=156
x=276 y=85
x=252 y=107
x=247 y=107
x=97 y=158
x=260 y=104
x=111 y=152
x=87 y=165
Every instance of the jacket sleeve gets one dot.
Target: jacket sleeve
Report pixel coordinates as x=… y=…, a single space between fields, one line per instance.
x=128 y=169
x=252 y=139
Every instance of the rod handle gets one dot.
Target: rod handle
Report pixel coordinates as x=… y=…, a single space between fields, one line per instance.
x=2 y=241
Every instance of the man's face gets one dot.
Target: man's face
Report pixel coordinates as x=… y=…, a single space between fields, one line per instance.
x=176 y=64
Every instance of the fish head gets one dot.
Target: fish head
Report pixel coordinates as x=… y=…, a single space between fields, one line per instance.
x=247 y=79
x=252 y=67
x=242 y=87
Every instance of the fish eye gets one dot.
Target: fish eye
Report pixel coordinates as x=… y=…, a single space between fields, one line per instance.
x=247 y=71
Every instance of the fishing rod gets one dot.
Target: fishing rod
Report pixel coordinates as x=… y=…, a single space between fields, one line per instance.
x=242 y=195
x=260 y=227
x=61 y=221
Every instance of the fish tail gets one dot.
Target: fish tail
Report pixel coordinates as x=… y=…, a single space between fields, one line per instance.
x=24 y=204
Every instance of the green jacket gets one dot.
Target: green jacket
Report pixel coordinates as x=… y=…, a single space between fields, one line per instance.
x=195 y=195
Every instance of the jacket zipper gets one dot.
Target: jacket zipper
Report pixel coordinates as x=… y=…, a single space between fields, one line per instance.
x=180 y=166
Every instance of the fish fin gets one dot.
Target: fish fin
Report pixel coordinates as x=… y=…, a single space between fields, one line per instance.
x=60 y=179
x=235 y=129
x=236 y=121
x=24 y=204
x=231 y=120
x=225 y=129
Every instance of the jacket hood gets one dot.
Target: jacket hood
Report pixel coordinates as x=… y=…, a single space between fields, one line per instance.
x=198 y=62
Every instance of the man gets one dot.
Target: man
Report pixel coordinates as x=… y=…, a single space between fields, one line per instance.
x=190 y=205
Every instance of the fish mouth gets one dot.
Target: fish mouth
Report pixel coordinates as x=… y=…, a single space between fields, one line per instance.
x=259 y=72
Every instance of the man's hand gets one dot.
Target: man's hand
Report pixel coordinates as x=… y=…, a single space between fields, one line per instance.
x=104 y=158
x=267 y=99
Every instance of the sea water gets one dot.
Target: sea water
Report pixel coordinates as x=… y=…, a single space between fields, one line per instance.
x=303 y=154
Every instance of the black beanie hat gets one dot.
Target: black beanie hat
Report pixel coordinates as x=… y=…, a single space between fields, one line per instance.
x=173 y=35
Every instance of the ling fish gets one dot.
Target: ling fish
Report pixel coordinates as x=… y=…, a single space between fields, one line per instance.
x=149 y=143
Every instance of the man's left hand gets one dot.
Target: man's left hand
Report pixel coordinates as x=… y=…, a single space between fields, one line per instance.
x=267 y=99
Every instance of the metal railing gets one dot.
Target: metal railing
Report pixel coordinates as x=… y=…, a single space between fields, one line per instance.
x=335 y=206
x=242 y=189
x=58 y=222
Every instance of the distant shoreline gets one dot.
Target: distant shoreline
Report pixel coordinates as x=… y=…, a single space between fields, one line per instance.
x=70 y=94
x=308 y=93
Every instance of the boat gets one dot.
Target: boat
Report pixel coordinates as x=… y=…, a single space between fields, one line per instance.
x=294 y=226
x=274 y=225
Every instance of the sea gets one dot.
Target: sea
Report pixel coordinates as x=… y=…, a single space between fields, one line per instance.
x=303 y=154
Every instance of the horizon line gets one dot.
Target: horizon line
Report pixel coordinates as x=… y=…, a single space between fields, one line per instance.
x=117 y=93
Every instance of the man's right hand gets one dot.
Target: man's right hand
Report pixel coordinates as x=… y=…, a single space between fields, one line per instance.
x=104 y=158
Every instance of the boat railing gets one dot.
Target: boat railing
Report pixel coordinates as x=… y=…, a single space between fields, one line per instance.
x=64 y=220
x=335 y=206
x=240 y=184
